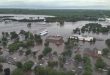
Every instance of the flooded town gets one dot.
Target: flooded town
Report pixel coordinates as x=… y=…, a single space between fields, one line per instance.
x=29 y=45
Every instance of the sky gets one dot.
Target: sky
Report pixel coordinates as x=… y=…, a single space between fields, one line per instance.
x=56 y=4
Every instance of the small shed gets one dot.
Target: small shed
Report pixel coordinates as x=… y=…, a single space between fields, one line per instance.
x=58 y=40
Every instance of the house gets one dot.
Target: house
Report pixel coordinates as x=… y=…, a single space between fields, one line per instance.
x=93 y=53
x=101 y=19
x=58 y=40
x=107 y=19
x=82 y=37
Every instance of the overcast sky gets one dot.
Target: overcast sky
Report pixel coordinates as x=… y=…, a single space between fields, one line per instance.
x=55 y=4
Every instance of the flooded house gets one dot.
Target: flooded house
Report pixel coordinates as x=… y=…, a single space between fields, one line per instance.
x=93 y=53
x=108 y=19
x=58 y=40
x=82 y=37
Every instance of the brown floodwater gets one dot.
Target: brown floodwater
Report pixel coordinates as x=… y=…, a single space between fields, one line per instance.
x=65 y=30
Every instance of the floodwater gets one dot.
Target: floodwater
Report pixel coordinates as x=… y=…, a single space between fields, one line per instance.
x=20 y=16
x=65 y=30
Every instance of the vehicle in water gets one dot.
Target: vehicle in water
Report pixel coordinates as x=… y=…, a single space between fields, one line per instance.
x=43 y=33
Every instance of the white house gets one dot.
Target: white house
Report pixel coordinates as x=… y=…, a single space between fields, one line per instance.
x=81 y=37
x=108 y=19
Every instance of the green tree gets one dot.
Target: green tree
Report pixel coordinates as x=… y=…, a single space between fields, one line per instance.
x=108 y=72
x=14 y=35
x=28 y=52
x=50 y=71
x=52 y=64
x=7 y=34
x=47 y=50
x=105 y=51
x=28 y=65
x=40 y=56
x=107 y=42
x=4 y=39
x=17 y=72
x=100 y=63
x=22 y=32
x=4 y=44
x=55 y=53
x=19 y=64
x=38 y=39
x=13 y=47
x=30 y=43
x=46 y=44
x=87 y=73
x=87 y=66
x=78 y=57
x=1 y=67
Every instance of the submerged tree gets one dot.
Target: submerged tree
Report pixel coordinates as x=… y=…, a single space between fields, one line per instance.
x=47 y=50
x=28 y=65
x=108 y=42
x=78 y=58
x=17 y=72
x=105 y=51
x=100 y=63
x=1 y=67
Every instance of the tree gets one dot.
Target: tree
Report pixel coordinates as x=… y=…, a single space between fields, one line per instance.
x=38 y=39
x=3 y=33
x=78 y=57
x=29 y=25
x=13 y=47
x=14 y=35
x=1 y=67
x=7 y=71
x=47 y=50
x=27 y=35
x=87 y=73
x=55 y=53
x=52 y=64
x=30 y=43
x=108 y=72
x=50 y=71
x=22 y=32
x=87 y=66
x=4 y=39
x=67 y=53
x=46 y=44
x=4 y=44
x=61 y=22
x=100 y=63
x=31 y=36
x=70 y=43
x=28 y=52
x=28 y=65
x=107 y=42
x=40 y=56
x=94 y=40
x=105 y=51
x=7 y=34
x=19 y=64
x=17 y=72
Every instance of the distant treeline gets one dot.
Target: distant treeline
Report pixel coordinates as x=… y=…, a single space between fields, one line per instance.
x=62 y=14
x=26 y=20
